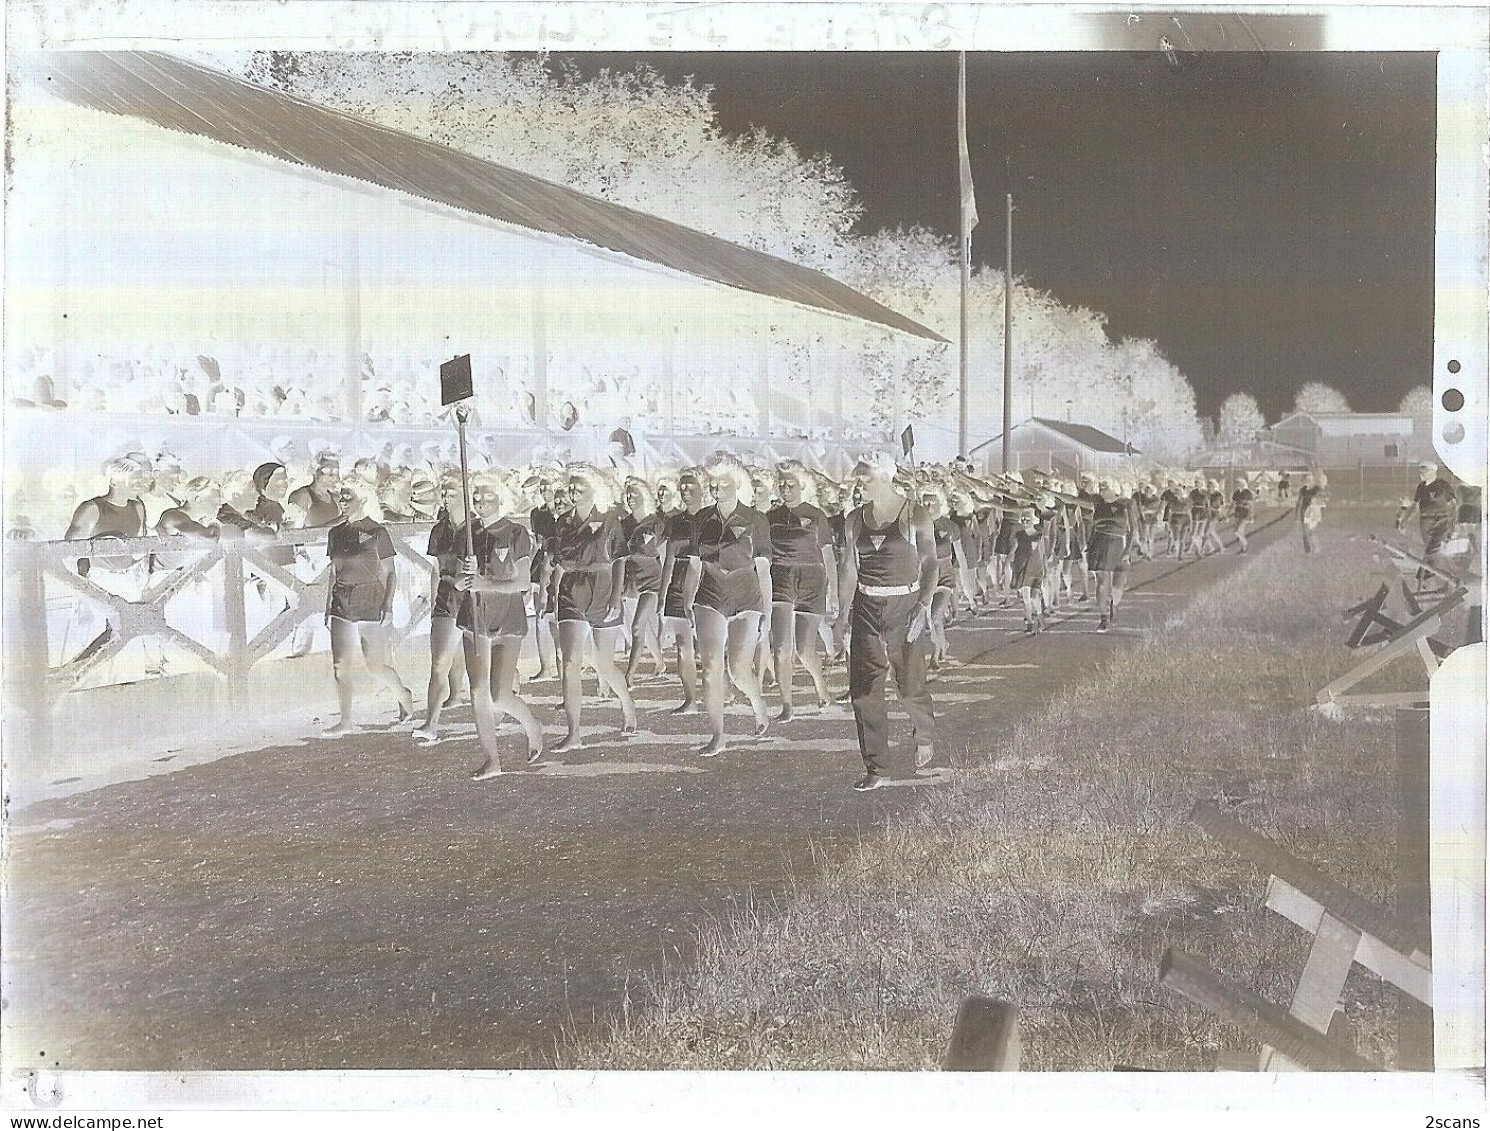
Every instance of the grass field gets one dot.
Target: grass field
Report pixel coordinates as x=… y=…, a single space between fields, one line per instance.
x=1060 y=864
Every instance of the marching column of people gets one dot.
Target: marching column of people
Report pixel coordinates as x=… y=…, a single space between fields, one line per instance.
x=746 y=572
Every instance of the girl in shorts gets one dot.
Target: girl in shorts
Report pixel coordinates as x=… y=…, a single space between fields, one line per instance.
x=1028 y=566
x=589 y=560
x=677 y=536
x=493 y=619
x=359 y=599
x=642 y=527
x=1107 y=547
x=727 y=593
x=804 y=581
x=447 y=545
x=951 y=570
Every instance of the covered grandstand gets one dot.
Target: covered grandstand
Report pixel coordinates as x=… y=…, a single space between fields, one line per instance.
x=170 y=220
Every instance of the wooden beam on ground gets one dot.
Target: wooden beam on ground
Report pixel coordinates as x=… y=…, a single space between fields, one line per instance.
x=985 y=1037
x=1317 y=996
x=1271 y=859
x=1259 y=1018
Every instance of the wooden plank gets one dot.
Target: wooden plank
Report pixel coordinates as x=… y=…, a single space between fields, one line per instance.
x=1269 y=858
x=1390 y=654
x=1259 y=1018
x=1316 y=999
x=1385 y=699
x=1369 y=606
x=1411 y=973
x=985 y=1037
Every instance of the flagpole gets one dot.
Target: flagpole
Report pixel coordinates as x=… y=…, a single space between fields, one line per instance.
x=1008 y=329
x=965 y=234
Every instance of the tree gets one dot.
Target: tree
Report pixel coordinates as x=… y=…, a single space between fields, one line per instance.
x=1316 y=396
x=1240 y=418
x=1417 y=401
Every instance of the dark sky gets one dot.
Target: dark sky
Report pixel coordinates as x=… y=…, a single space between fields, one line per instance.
x=1268 y=220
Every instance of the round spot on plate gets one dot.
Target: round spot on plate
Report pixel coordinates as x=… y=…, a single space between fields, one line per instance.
x=1453 y=433
x=1454 y=365
x=1453 y=400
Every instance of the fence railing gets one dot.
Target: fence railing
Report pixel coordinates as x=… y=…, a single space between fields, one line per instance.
x=132 y=583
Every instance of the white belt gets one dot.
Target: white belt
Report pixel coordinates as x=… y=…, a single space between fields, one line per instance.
x=889 y=590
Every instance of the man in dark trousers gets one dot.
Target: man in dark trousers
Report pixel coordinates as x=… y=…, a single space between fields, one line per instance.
x=890 y=571
x=1437 y=504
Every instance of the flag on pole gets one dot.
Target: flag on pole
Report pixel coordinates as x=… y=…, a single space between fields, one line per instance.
x=907 y=440
x=969 y=209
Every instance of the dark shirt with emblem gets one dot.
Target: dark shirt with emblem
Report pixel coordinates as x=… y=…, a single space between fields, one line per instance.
x=798 y=536
x=359 y=550
x=731 y=542
x=1436 y=500
x=596 y=541
x=644 y=546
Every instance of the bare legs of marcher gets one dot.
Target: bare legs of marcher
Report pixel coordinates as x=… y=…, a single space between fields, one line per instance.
x=732 y=641
x=687 y=664
x=574 y=637
x=370 y=639
x=644 y=634
x=795 y=637
x=444 y=668
x=492 y=666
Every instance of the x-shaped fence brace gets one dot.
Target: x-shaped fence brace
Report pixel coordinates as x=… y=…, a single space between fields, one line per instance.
x=1347 y=929
x=1399 y=639
x=33 y=564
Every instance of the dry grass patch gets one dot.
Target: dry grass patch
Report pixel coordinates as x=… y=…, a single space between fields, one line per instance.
x=1060 y=863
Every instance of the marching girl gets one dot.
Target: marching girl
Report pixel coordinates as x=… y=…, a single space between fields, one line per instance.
x=493 y=620
x=677 y=536
x=1001 y=528
x=447 y=544
x=1215 y=512
x=552 y=497
x=1028 y=566
x=727 y=593
x=804 y=581
x=1200 y=511
x=642 y=527
x=1107 y=544
x=359 y=599
x=951 y=570
x=1242 y=501
x=589 y=560
x=1150 y=508
x=1177 y=517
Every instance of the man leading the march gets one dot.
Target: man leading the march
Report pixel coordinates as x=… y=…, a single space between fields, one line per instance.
x=890 y=569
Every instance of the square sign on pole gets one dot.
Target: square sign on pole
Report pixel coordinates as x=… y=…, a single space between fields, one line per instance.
x=455 y=380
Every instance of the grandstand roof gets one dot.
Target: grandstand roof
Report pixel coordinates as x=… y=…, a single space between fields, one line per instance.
x=1093 y=439
x=189 y=98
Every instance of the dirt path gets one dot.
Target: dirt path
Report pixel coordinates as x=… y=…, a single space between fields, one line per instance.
x=358 y=903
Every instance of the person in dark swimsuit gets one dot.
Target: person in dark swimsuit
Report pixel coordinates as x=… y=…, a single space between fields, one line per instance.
x=642 y=527
x=317 y=500
x=492 y=618
x=117 y=514
x=804 y=581
x=727 y=593
x=196 y=516
x=677 y=533
x=893 y=570
x=590 y=555
x=359 y=600
x=447 y=545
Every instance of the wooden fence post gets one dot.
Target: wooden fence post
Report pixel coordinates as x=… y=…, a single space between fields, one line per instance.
x=985 y=1037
